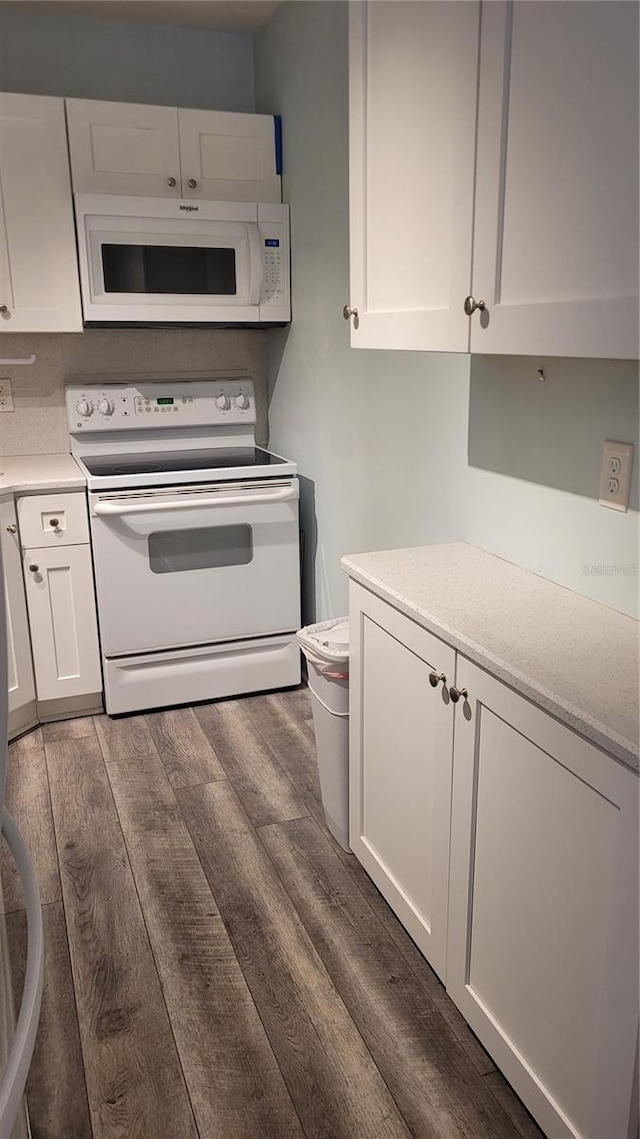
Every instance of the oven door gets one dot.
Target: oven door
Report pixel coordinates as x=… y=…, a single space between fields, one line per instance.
x=177 y=567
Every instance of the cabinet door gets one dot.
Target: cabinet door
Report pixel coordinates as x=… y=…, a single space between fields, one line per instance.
x=400 y=766
x=39 y=282
x=123 y=148
x=62 y=615
x=556 y=216
x=228 y=157
x=412 y=104
x=543 y=911
x=22 y=692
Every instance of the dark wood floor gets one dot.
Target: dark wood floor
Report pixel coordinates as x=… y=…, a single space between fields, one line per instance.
x=216 y=966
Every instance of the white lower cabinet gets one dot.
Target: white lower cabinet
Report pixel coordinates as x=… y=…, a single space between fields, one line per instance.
x=62 y=615
x=542 y=953
x=507 y=844
x=58 y=576
x=400 y=786
x=22 y=693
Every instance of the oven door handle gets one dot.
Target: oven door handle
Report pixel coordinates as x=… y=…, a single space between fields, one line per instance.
x=287 y=494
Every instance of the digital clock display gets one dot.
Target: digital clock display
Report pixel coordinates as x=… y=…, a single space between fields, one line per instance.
x=164 y=400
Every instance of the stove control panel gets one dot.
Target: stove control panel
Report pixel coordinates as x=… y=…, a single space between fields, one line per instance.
x=151 y=404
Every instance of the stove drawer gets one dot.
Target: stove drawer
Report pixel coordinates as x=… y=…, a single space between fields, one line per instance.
x=212 y=672
x=48 y=520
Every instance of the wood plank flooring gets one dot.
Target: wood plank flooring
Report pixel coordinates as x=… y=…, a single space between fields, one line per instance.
x=216 y=966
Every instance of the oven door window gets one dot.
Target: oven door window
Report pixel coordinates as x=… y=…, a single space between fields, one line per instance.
x=212 y=547
x=194 y=270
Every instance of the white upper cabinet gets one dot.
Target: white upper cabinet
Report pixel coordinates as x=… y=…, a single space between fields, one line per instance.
x=530 y=208
x=556 y=215
x=39 y=283
x=229 y=157
x=162 y=152
x=412 y=105
x=123 y=148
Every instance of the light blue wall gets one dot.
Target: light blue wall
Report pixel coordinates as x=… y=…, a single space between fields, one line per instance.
x=389 y=452
x=43 y=53
x=371 y=430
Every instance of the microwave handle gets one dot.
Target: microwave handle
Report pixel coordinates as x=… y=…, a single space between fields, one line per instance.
x=285 y=495
x=255 y=261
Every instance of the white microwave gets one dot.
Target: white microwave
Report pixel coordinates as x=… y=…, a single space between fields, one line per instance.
x=171 y=261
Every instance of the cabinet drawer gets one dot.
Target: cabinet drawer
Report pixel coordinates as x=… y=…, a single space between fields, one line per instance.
x=48 y=520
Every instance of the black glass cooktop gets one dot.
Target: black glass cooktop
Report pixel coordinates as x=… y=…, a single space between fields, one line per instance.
x=159 y=462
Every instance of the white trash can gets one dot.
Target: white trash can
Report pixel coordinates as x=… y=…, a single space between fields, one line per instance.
x=326 y=647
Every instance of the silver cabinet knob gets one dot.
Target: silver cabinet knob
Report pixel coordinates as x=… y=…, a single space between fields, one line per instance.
x=192 y=183
x=471 y=304
x=4 y=309
x=54 y=523
x=456 y=693
x=172 y=182
x=348 y=312
x=34 y=569
x=436 y=677
x=12 y=528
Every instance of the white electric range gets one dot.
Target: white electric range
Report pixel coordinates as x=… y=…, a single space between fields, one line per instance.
x=195 y=541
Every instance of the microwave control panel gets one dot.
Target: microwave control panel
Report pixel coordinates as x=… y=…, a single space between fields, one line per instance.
x=273 y=230
x=272 y=271
x=160 y=404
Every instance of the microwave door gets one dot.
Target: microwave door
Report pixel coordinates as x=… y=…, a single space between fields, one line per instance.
x=150 y=269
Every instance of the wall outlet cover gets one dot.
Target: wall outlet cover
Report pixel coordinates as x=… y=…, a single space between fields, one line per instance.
x=6 y=394
x=615 y=474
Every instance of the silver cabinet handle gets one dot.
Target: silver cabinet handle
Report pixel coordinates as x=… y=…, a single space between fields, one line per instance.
x=349 y=312
x=34 y=569
x=456 y=693
x=192 y=183
x=54 y=522
x=12 y=528
x=471 y=304
x=172 y=182
x=436 y=677
x=4 y=309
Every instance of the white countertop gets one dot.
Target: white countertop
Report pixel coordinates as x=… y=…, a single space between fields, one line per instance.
x=23 y=473
x=570 y=655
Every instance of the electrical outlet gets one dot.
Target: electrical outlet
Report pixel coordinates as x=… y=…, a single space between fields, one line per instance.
x=6 y=394
x=615 y=474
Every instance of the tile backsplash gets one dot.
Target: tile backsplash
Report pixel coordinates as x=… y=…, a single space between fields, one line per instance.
x=38 y=424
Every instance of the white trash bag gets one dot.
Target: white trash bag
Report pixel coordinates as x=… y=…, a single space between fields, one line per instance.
x=326 y=647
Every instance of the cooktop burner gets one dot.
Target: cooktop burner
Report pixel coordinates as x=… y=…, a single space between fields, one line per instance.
x=159 y=462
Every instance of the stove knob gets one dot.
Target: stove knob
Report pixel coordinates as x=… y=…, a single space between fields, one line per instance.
x=105 y=407
x=242 y=401
x=84 y=408
x=223 y=402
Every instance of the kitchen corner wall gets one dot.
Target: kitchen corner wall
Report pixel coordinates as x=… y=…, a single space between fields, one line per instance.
x=61 y=53
x=399 y=449
x=38 y=424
